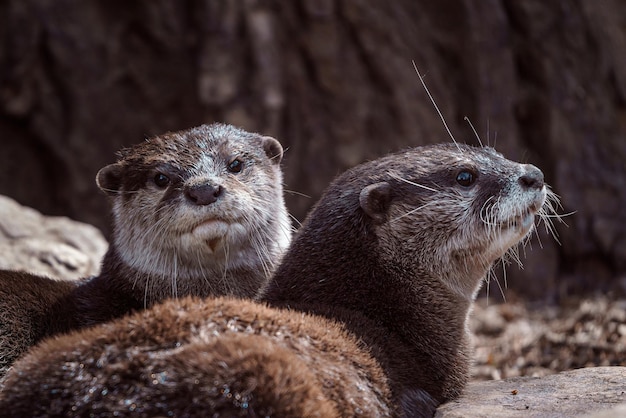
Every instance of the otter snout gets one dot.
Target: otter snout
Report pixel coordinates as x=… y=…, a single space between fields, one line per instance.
x=532 y=178
x=203 y=194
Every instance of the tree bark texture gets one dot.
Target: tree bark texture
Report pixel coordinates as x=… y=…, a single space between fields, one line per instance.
x=543 y=81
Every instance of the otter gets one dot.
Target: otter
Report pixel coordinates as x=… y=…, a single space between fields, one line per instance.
x=196 y=212
x=366 y=315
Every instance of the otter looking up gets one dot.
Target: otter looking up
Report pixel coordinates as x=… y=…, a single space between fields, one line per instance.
x=196 y=212
x=366 y=316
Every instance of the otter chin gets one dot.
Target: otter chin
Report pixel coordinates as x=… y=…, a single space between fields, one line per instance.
x=526 y=223
x=366 y=315
x=213 y=232
x=211 y=228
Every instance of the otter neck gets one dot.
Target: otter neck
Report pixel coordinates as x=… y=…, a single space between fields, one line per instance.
x=151 y=283
x=465 y=280
x=173 y=262
x=400 y=310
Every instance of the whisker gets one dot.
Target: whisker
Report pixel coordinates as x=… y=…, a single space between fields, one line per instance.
x=488 y=283
x=145 y=291
x=397 y=177
x=536 y=231
x=263 y=254
x=119 y=192
x=412 y=211
x=474 y=130
x=295 y=219
x=297 y=193
x=559 y=216
x=175 y=277
x=207 y=282
x=505 y=282
x=483 y=212
x=435 y=105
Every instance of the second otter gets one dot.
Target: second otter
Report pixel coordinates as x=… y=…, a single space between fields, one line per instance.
x=196 y=212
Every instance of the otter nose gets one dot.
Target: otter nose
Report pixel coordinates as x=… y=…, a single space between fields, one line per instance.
x=204 y=194
x=532 y=178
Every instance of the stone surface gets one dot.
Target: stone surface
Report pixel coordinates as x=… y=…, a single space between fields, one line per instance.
x=57 y=247
x=597 y=392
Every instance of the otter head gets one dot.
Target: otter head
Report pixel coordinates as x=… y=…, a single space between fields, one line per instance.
x=435 y=216
x=199 y=202
x=450 y=211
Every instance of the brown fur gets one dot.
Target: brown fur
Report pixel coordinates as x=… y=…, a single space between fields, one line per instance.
x=162 y=244
x=200 y=358
x=25 y=301
x=369 y=306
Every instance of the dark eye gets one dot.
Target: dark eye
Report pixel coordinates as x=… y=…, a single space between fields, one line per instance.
x=161 y=180
x=465 y=178
x=235 y=166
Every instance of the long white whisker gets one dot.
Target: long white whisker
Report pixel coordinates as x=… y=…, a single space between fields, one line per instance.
x=296 y=219
x=505 y=283
x=474 y=130
x=412 y=183
x=435 y=104
x=413 y=210
x=297 y=193
x=175 y=277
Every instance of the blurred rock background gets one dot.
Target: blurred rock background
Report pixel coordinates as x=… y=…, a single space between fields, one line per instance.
x=545 y=82
x=52 y=246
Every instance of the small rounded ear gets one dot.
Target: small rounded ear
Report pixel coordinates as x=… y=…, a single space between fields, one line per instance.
x=109 y=178
x=273 y=149
x=374 y=200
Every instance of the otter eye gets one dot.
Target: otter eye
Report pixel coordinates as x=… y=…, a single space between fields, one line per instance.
x=161 y=180
x=465 y=178
x=235 y=166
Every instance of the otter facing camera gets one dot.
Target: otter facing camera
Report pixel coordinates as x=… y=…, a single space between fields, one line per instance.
x=109 y=178
x=374 y=200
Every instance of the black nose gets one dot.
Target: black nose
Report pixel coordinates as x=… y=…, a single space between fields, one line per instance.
x=532 y=178
x=204 y=194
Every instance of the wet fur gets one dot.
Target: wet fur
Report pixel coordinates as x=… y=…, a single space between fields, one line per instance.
x=228 y=357
x=369 y=306
x=156 y=250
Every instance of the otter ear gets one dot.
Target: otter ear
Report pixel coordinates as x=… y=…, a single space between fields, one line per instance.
x=374 y=200
x=273 y=149
x=109 y=178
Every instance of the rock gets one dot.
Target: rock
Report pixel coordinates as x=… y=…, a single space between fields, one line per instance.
x=51 y=246
x=616 y=412
x=591 y=392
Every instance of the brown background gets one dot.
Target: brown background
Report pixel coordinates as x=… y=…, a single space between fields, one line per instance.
x=545 y=81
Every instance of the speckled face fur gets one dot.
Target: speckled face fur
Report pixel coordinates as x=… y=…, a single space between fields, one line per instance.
x=196 y=203
x=461 y=208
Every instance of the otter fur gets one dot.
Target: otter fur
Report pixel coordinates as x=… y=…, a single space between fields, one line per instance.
x=25 y=309
x=196 y=212
x=366 y=316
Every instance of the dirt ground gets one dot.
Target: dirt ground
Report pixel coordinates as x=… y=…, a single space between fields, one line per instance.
x=516 y=339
